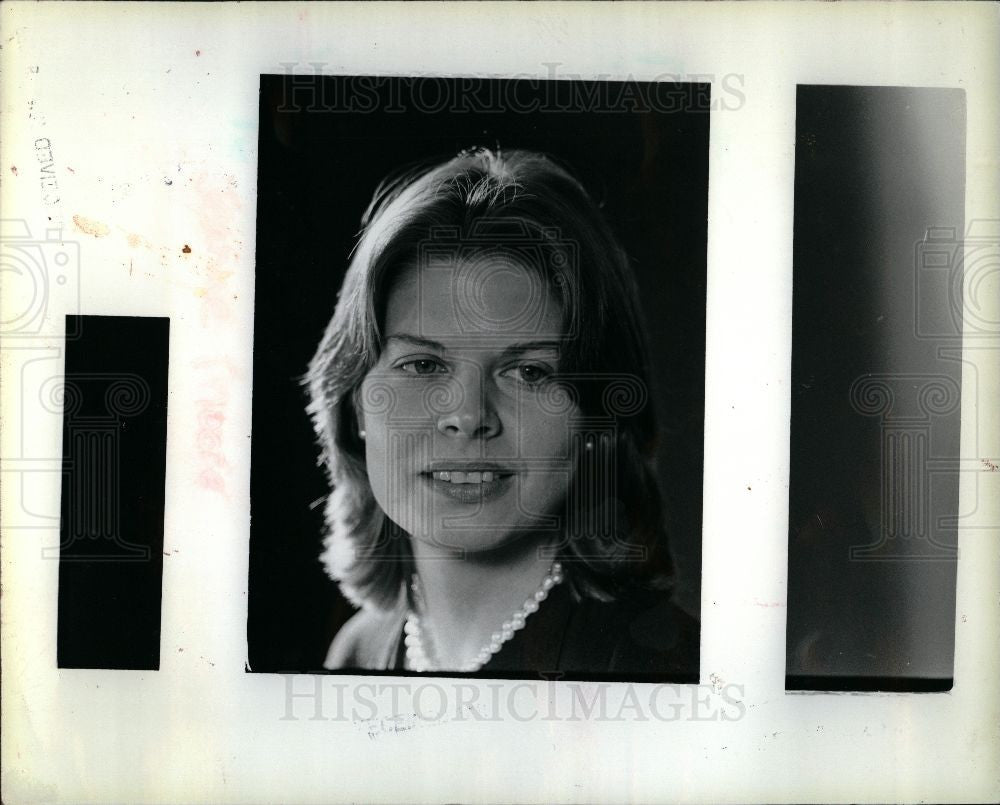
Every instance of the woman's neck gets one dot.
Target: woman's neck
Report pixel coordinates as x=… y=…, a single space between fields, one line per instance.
x=467 y=598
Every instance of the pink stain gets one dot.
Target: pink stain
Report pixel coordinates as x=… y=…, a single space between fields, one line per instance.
x=212 y=482
x=216 y=377
x=216 y=242
x=208 y=443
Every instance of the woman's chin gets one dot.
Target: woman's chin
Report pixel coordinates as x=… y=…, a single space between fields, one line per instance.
x=485 y=541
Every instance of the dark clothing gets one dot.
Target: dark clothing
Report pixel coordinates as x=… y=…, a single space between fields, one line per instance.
x=641 y=637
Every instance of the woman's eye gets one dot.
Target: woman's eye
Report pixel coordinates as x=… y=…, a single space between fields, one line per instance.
x=529 y=373
x=421 y=366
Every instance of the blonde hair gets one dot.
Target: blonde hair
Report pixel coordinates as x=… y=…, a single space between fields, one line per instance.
x=614 y=537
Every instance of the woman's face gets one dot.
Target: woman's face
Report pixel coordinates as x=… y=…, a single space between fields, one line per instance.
x=468 y=439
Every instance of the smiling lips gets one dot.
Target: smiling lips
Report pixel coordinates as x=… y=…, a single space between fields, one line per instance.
x=469 y=482
x=467 y=477
x=482 y=472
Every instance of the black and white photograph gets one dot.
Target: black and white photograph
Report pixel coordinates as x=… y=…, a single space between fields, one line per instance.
x=506 y=401
x=493 y=402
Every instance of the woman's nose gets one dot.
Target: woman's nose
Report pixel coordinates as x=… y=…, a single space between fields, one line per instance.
x=470 y=411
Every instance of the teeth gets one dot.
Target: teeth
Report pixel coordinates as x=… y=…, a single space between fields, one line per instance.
x=459 y=477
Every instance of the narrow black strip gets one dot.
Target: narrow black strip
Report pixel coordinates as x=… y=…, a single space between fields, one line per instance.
x=868 y=684
x=114 y=472
x=533 y=675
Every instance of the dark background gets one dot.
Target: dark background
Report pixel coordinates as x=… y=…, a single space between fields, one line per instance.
x=641 y=151
x=871 y=571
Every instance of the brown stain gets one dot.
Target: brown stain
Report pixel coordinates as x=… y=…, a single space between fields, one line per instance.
x=186 y=249
x=90 y=227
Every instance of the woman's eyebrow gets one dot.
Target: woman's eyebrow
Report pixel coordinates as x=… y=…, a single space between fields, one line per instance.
x=530 y=346
x=508 y=351
x=416 y=341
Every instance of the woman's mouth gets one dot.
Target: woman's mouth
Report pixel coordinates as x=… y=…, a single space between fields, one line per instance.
x=470 y=485
x=467 y=477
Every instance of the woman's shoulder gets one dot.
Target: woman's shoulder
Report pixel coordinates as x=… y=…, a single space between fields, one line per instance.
x=638 y=634
x=368 y=640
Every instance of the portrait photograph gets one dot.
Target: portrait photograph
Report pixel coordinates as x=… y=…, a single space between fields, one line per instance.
x=479 y=373
x=498 y=402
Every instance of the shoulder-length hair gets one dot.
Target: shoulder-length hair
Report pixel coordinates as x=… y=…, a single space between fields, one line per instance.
x=613 y=536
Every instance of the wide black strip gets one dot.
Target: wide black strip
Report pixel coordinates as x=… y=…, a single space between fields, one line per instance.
x=877 y=337
x=114 y=470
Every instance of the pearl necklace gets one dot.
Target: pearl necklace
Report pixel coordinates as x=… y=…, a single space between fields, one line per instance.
x=418 y=655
